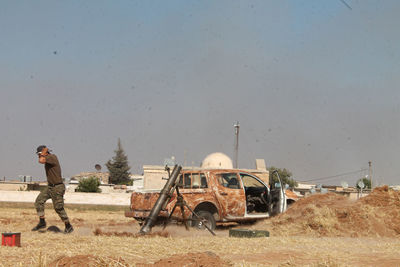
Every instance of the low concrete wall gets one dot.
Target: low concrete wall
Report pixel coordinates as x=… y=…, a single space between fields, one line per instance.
x=70 y=198
x=13 y=186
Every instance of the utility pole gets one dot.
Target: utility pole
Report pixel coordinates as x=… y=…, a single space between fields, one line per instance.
x=236 y=127
x=370 y=173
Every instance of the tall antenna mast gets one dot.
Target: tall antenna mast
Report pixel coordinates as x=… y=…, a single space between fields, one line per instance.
x=236 y=127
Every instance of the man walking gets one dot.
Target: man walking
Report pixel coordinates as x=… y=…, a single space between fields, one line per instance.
x=54 y=190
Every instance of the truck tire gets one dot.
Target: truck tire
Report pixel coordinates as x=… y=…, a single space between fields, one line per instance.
x=208 y=219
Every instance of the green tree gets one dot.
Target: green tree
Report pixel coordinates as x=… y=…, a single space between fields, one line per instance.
x=90 y=184
x=118 y=167
x=284 y=174
x=366 y=181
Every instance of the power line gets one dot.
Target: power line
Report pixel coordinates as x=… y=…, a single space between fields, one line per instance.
x=334 y=176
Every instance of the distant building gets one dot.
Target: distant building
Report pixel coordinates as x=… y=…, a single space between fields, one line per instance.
x=137 y=182
x=395 y=187
x=305 y=189
x=217 y=161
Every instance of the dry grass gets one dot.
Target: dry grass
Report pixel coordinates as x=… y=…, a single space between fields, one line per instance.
x=42 y=249
x=377 y=215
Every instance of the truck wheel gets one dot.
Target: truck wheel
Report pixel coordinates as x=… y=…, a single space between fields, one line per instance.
x=207 y=218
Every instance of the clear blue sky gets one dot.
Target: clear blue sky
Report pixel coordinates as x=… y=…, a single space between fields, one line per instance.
x=313 y=84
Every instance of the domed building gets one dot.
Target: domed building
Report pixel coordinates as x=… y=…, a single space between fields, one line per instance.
x=217 y=160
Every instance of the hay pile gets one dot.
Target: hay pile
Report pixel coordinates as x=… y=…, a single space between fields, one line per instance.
x=376 y=215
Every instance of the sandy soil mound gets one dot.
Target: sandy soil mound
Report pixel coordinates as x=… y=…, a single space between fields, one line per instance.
x=191 y=260
x=377 y=214
x=86 y=260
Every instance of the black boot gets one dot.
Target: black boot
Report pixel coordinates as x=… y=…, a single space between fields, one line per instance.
x=40 y=225
x=68 y=228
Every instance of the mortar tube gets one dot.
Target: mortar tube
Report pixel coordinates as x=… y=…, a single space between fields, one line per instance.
x=164 y=197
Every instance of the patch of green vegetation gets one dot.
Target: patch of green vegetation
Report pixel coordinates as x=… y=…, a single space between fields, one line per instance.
x=89 y=185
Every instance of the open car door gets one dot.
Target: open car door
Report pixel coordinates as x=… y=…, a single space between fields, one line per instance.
x=278 y=199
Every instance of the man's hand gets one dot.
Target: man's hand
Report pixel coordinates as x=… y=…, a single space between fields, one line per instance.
x=42 y=155
x=42 y=159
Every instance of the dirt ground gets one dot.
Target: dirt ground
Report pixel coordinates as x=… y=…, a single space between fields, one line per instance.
x=321 y=230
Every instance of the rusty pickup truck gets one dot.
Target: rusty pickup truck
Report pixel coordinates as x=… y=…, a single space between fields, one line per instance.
x=215 y=195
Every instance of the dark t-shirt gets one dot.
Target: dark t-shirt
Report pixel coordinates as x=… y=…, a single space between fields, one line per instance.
x=53 y=169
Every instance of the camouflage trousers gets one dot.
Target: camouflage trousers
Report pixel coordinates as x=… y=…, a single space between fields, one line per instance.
x=56 y=193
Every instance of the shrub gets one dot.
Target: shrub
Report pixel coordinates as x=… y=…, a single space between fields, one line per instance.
x=90 y=185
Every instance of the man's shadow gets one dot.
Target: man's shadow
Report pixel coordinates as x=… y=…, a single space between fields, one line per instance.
x=53 y=229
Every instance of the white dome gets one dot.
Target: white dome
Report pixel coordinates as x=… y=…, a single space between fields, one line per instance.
x=217 y=161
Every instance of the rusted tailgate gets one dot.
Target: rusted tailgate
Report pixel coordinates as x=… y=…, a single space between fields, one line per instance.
x=143 y=200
